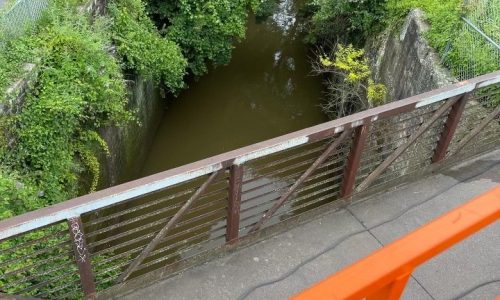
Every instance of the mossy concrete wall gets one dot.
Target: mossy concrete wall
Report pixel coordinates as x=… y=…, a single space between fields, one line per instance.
x=129 y=145
x=402 y=59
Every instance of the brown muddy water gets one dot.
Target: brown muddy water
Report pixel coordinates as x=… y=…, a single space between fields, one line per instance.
x=266 y=91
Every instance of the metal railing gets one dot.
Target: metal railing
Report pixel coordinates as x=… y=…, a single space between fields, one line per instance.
x=155 y=226
x=385 y=273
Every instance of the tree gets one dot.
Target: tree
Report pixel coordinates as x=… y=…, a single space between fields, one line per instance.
x=339 y=20
x=205 y=30
x=141 y=46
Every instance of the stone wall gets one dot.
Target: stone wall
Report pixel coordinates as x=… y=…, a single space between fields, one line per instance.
x=15 y=94
x=403 y=60
x=130 y=145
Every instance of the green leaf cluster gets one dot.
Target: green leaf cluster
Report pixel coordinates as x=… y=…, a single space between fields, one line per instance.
x=344 y=20
x=53 y=142
x=350 y=86
x=265 y=9
x=141 y=46
x=353 y=63
x=16 y=196
x=205 y=30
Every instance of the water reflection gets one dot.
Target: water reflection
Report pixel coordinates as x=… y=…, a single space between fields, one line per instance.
x=286 y=16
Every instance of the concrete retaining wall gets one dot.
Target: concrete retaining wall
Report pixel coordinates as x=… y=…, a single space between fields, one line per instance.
x=403 y=60
x=130 y=145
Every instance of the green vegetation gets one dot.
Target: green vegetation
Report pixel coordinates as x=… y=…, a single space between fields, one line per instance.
x=460 y=48
x=52 y=143
x=442 y=16
x=333 y=21
x=205 y=30
x=141 y=47
x=350 y=87
x=265 y=10
x=79 y=88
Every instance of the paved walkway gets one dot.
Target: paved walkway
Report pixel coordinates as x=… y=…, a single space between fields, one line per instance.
x=269 y=269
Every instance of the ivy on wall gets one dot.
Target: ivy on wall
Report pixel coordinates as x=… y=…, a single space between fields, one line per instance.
x=50 y=147
x=79 y=88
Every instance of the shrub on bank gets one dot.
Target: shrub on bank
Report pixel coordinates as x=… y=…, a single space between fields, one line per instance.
x=333 y=21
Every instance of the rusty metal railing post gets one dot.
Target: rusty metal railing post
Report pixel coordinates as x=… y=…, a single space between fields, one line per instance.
x=354 y=159
x=410 y=141
x=233 y=209
x=82 y=257
x=449 y=128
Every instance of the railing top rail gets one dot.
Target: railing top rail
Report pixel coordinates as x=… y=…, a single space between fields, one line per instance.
x=77 y=206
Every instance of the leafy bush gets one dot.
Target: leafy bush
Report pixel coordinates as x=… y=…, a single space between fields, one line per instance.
x=344 y=20
x=16 y=197
x=12 y=57
x=47 y=147
x=141 y=46
x=266 y=9
x=205 y=30
x=349 y=83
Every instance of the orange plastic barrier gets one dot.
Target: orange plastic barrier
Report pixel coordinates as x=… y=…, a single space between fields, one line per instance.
x=384 y=274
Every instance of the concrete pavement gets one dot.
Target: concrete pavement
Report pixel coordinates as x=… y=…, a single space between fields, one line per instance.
x=287 y=263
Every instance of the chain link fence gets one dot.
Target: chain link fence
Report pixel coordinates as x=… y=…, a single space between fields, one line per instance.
x=21 y=15
x=475 y=49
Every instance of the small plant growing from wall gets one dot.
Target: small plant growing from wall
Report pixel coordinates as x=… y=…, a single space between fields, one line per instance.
x=350 y=87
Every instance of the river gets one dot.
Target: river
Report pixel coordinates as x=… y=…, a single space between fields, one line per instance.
x=266 y=91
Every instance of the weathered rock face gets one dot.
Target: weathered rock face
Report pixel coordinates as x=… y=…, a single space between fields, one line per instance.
x=129 y=145
x=403 y=60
